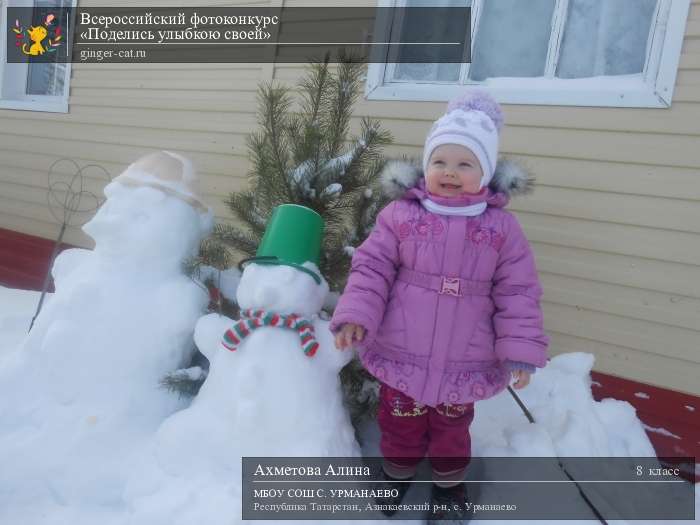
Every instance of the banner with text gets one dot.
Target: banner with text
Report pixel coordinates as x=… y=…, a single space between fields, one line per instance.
x=246 y=35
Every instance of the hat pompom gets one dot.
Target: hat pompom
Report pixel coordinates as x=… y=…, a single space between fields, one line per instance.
x=480 y=101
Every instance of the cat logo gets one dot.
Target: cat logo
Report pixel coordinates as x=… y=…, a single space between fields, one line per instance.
x=37 y=35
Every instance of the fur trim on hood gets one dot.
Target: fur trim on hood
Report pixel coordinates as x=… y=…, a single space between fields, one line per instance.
x=510 y=178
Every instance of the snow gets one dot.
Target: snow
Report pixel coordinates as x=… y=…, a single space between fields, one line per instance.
x=184 y=473
x=642 y=395
x=225 y=280
x=341 y=161
x=332 y=190
x=661 y=430
x=304 y=176
x=86 y=435
x=302 y=171
x=80 y=395
x=629 y=82
x=690 y=408
x=194 y=373
x=331 y=301
x=17 y=308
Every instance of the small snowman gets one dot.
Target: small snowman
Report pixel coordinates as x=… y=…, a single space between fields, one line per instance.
x=272 y=390
x=82 y=391
x=278 y=364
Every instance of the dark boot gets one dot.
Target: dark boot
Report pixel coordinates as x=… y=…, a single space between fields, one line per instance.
x=453 y=499
x=385 y=482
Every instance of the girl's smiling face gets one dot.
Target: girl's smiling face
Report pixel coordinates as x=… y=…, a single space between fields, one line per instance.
x=452 y=171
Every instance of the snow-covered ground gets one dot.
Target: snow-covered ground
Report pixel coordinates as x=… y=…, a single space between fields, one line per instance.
x=569 y=423
x=17 y=308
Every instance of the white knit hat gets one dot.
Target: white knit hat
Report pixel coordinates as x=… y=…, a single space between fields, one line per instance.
x=473 y=120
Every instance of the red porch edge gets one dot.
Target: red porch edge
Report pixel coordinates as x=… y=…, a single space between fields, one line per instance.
x=24 y=260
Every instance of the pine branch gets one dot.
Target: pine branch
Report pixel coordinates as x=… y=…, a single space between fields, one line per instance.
x=185 y=382
x=339 y=105
x=214 y=254
x=236 y=238
x=313 y=88
x=274 y=105
x=244 y=206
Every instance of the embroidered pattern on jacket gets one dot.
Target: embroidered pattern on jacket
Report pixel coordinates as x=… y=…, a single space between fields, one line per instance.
x=466 y=386
x=427 y=225
x=486 y=236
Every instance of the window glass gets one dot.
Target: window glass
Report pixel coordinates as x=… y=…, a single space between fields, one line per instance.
x=605 y=38
x=512 y=39
x=416 y=30
x=46 y=78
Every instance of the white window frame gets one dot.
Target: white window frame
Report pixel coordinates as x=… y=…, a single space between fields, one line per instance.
x=653 y=88
x=19 y=72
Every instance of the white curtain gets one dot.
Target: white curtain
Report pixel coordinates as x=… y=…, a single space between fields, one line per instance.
x=512 y=39
x=605 y=37
x=415 y=29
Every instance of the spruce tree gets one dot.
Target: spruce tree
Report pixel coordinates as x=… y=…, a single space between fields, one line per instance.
x=303 y=154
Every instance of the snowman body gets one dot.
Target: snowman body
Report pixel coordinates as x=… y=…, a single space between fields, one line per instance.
x=123 y=313
x=268 y=387
x=267 y=399
x=275 y=390
x=82 y=391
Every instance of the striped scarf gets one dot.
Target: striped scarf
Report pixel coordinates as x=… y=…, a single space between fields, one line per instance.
x=252 y=319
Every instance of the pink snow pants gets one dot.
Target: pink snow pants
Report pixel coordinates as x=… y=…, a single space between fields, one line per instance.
x=410 y=429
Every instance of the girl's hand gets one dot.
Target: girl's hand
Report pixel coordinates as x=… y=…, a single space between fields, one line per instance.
x=523 y=378
x=344 y=338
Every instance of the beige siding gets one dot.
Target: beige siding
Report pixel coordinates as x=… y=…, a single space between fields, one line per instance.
x=615 y=221
x=117 y=113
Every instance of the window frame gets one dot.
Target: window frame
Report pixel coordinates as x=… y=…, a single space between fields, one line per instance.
x=653 y=90
x=45 y=103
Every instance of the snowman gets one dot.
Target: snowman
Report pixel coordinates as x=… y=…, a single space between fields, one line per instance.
x=273 y=388
x=82 y=391
x=277 y=365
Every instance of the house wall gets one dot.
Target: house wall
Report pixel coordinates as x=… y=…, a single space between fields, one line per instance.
x=119 y=112
x=614 y=221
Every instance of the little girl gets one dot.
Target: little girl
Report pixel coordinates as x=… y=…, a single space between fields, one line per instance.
x=443 y=298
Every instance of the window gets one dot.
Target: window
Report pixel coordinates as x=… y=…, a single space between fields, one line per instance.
x=567 y=52
x=38 y=86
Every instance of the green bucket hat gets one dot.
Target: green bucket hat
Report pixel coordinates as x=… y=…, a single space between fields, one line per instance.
x=292 y=237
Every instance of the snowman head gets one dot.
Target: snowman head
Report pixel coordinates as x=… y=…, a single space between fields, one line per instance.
x=151 y=212
x=282 y=289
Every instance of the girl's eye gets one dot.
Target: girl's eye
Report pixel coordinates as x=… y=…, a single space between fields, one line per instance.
x=438 y=162
x=465 y=164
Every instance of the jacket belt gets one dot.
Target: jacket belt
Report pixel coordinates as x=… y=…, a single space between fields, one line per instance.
x=444 y=285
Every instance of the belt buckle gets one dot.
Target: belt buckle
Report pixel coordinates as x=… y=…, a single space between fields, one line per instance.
x=451 y=286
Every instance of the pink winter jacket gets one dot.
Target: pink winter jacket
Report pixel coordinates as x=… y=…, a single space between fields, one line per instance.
x=446 y=300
